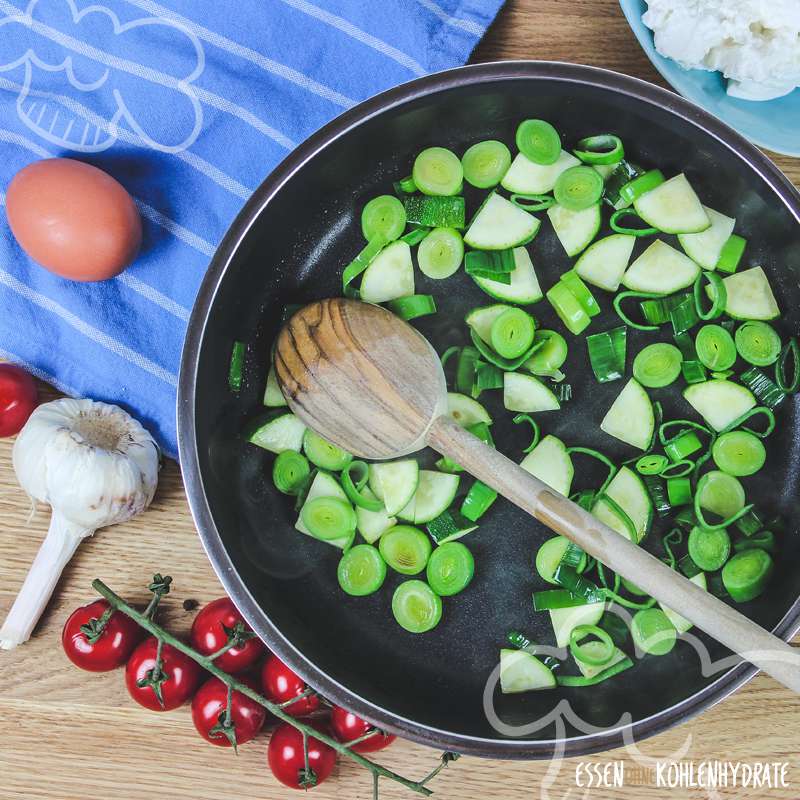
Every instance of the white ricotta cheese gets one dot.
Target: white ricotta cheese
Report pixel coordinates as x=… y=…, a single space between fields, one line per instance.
x=755 y=44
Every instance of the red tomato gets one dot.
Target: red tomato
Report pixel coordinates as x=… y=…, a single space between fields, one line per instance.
x=18 y=398
x=181 y=676
x=281 y=684
x=208 y=713
x=209 y=635
x=346 y=726
x=287 y=760
x=102 y=651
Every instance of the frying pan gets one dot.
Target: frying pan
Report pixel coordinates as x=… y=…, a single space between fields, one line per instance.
x=289 y=245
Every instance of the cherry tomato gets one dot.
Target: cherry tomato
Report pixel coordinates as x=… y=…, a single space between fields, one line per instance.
x=209 y=635
x=95 y=648
x=281 y=684
x=179 y=678
x=18 y=398
x=208 y=713
x=287 y=760
x=346 y=726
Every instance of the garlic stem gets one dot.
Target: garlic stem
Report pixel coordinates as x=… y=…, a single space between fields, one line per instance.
x=58 y=547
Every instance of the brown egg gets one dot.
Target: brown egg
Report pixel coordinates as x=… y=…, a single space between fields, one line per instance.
x=73 y=219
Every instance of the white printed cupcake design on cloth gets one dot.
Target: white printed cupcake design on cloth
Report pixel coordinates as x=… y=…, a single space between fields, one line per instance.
x=83 y=74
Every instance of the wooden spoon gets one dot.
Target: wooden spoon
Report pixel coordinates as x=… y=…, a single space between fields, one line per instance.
x=372 y=384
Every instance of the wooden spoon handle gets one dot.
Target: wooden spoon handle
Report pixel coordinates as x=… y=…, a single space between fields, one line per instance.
x=725 y=624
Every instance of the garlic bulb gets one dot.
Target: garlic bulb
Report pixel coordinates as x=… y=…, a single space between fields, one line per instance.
x=95 y=466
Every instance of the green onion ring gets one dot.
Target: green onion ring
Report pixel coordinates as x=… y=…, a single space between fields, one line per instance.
x=622 y=213
x=651 y=464
x=352 y=488
x=534 y=424
x=604 y=148
x=719 y=293
x=533 y=202
x=679 y=469
x=625 y=318
x=580 y=652
x=790 y=350
x=753 y=412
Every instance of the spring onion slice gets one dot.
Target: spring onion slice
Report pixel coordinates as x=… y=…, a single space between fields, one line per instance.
x=496 y=265
x=597 y=455
x=709 y=548
x=236 y=368
x=750 y=523
x=354 y=478
x=674 y=537
x=405 y=186
x=568 y=578
x=746 y=575
x=719 y=293
x=763 y=540
x=627 y=230
x=657 y=365
x=657 y=310
x=533 y=202
x=739 y=453
x=679 y=491
x=609 y=672
x=638 y=186
x=550 y=356
x=657 y=489
x=604 y=148
x=413 y=306
x=622 y=514
x=451 y=351
x=618 y=300
x=477 y=501
x=682 y=445
x=415 y=236
x=651 y=464
x=607 y=353
x=758 y=411
x=360 y=263
x=383 y=216
x=722 y=494
x=622 y=174
x=538 y=141
x=787 y=368
x=578 y=188
x=581 y=292
x=594 y=656
x=507 y=364
x=551 y=599
x=435 y=212
x=487 y=376
x=437 y=171
x=678 y=469
x=715 y=347
x=466 y=367
x=687 y=566
x=512 y=333
x=522 y=642
x=693 y=372
x=328 y=517
x=361 y=570
x=684 y=316
x=534 y=425
x=758 y=343
x=731 y=253
x=569 y=310
x=763 y=387
x=290 y=472
x=485 y=163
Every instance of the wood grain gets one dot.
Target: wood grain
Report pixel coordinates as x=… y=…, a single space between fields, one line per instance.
x=70 y=735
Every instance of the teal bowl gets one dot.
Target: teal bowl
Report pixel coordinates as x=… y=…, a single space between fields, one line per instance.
x=774 y=124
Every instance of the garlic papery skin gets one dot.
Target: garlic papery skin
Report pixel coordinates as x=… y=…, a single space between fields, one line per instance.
x=95 y=466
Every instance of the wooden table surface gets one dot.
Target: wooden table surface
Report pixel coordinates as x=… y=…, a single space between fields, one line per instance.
x=70 y=734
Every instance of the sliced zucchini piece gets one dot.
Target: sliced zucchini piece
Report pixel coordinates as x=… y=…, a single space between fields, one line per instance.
x=372 y=524
x=628 y=490
x=661 y=269
x=527 y=393
x=281 y=431
x=749 y=295
x=590 y=670
x=481 y=320
x=681 y=624
x=630 y=418
x=273 y=396
x=435 y=492
x=719 y=402
x=565 y=620
x=704 y=248
x=524 y=287
x=523 y=672
x=324 y=485
x=575 y=229
x=525 y=177
x=550 y=462
x=499 y=224
x=604 y=262
x=673 y=207
x=394 y=483
x=390 y=275
x=466 y=411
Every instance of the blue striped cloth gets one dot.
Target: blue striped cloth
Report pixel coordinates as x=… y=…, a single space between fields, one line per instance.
x=189 y=105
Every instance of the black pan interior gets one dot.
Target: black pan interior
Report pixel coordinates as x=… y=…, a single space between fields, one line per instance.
x=295 y=252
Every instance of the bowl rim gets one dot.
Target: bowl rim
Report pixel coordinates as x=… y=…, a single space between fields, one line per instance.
x=233 y=584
